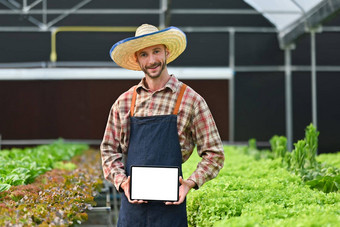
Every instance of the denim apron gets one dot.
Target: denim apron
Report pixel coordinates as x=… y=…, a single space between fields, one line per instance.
x=153 y=141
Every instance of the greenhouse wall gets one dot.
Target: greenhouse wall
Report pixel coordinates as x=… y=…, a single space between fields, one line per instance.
x=78 y=109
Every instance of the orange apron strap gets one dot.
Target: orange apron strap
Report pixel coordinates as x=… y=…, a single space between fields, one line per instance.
x=179 y=99
x=132 y=108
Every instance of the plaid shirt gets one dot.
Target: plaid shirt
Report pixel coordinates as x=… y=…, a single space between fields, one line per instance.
x=195 y=125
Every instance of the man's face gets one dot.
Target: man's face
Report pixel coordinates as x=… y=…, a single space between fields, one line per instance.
x=152 y=60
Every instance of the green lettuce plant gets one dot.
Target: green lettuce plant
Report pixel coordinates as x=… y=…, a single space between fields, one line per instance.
x=59 y=197
x=250 y=192
x=22 y=166
x=278 y=146
x=311 y=138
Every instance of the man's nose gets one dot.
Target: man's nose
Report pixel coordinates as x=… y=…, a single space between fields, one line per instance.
x=152 y=59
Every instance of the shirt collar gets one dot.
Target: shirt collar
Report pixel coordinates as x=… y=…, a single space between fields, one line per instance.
x=172 y=84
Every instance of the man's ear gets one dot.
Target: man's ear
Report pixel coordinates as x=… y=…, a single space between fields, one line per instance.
x=167 y=52
x=136 y=59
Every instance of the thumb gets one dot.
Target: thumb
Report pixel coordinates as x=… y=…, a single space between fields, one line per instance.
x=180 y=180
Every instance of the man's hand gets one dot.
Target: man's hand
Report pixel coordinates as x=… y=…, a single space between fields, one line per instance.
x=126 y=187
x=185 y=187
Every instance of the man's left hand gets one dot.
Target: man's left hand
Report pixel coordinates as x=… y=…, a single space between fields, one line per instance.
x=185 y=187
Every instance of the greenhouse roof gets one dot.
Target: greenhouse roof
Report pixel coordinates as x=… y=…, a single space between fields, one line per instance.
x=292 y=18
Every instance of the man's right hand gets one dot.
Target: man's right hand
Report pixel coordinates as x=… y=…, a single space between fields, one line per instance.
x=126 y=187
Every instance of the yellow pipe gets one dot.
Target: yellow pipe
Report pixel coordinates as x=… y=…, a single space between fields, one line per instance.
x=53 y=55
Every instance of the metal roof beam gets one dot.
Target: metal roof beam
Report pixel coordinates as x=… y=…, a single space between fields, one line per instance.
x=26 y=8
x=15 y=8
x=67 y=12
x=185 y=29
x=310 y=21
x=155 y=11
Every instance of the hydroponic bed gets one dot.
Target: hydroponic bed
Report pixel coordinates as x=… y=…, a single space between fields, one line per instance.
x=49 y=185
x=269 y=188
x=250 y=192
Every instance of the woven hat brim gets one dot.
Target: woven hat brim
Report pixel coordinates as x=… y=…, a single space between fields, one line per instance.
x=123 y=52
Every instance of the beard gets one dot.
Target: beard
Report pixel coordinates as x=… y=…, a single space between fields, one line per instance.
x=154 y=75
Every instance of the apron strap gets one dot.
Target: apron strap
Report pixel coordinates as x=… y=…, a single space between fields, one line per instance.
x=179 y=99
x=132 y=108
x=178 y=103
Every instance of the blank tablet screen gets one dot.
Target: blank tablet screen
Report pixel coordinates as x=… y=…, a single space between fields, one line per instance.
x=154 y=183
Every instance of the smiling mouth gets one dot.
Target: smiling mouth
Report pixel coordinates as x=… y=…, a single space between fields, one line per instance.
x=153 y=66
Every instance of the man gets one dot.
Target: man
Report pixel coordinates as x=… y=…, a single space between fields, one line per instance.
x=158 y=122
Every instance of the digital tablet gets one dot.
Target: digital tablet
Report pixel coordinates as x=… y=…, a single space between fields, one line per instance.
x=154 y=183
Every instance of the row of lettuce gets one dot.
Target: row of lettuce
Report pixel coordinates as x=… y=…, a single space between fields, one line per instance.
x=22 y=166
x=48 y=185
x=269 y=188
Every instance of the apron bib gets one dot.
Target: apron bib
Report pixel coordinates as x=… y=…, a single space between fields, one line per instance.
x=153 y=141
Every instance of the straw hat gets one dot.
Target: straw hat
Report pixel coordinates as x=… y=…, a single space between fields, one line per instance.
x=123 y=52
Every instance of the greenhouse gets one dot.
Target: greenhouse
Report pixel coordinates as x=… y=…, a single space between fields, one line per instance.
x=268 y=71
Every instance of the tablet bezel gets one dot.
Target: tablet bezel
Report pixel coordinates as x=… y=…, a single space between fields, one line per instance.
x=163 y=177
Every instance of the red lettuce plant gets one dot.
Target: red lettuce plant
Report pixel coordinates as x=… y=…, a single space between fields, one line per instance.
x=59 y=197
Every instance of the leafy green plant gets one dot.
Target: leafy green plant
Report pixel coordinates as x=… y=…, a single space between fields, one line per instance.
x=64 y=165
x=4 y=187
x=302 y=161
x=331 y=159
x=252 y=150
x=250 y=192
x=252 y=144
x=305 y=151
x=311 y=138
x=299 y=155
x=22 y=166
x=278 y=146
x=326 y=183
